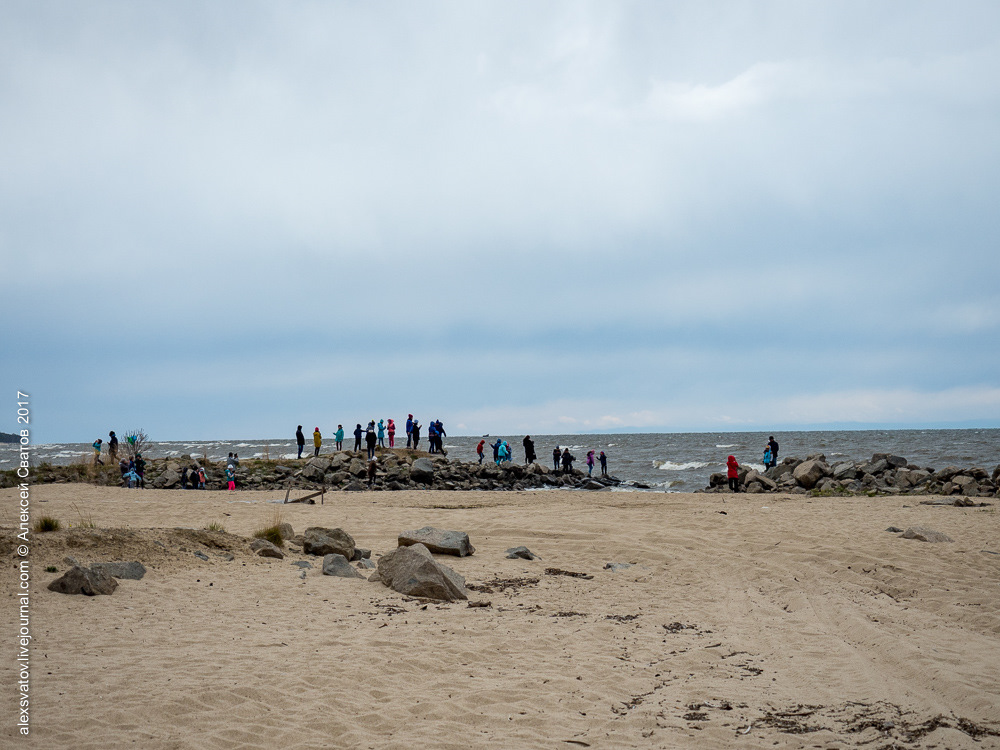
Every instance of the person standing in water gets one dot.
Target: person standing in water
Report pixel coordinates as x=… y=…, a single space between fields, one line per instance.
x=300 y=440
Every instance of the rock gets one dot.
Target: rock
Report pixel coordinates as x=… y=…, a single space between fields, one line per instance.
x=302 y=564
x=264 y=548
x=365 y=564
x=282 y=470
x=617 y=566
x=922 y=534
x=322 y=541
x=438 y=541
x=133 y=571
x=521 y=553
x=169 y=479
x=422 y=471
x=84 y=581
x=874 y=467
x=591 y=484
x=319 y=462
x=70 y=560
x=845 y=471
x=357 y=468
x=201 y=555
x=412 y=571
x=945 y=474
x=338 y=565
x=816 y=457
x=360 y=553
x=312 y=472
x=762 y=479
x=895 y=530
x=809 y=472
x=286 y=531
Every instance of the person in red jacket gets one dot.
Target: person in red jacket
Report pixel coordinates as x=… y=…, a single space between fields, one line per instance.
x=733 y=472
x=479 y=450
x=392 y=433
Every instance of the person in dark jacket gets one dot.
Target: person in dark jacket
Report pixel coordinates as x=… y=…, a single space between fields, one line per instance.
x=416 y=435
x=556 y=455
x=604 y=464
x=371 y=439
x=733 y=473
x=432 y=437
x=774 y=451
x=358 y=432
x=441 y=434
x=409 y=431
x=529 y=449
x=184 y=478
x=567 y=461
x=300 y=439
x=113 y=445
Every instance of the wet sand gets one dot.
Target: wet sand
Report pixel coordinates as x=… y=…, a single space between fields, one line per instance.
x=787 y=622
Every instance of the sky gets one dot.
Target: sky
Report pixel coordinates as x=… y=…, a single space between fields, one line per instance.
x=222 y=220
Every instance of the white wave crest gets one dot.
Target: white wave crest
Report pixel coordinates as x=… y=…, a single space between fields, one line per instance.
x=732 y=445
x=671 y=466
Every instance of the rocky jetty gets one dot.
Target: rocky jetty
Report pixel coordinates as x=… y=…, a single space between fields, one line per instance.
x=397 y=469
x=884 y=474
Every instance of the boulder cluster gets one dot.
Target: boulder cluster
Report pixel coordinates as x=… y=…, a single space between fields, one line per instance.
x=883 y=474
x=396 y=469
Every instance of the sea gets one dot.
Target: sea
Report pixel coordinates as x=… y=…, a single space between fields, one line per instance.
x=663 y=462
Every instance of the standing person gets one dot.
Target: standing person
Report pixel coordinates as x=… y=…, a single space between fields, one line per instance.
x=416 y=435
x=339 y=437
x=113 y=445
x=236 y=460
x=529 y=449
x=300 y=439
x=567 y=461
x=432 y=436
x=230 y=461
x=733 y=473
x=372 y=467
x=604 y=464
x=370 y=439
x=184 y=478
x=123 y=467
x=767 y=456
x=97 y=452
x=317 y=441
x=441 y=434
x=392 y=434
x=774 y=450
x=409 y=430
x=358 y=434
x=556 y=454
x=590 y=463
x=496 y=451
x=201 y=477
x=381 y=433
x=231 y=478
x=479 y=451
x=140 y=470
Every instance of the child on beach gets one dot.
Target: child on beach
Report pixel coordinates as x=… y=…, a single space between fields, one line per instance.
x=132 y=478
x=231 y=478
x=767 y=457
x=479 y=451
x=201 y=478
x=97 y=452
x=372 y=466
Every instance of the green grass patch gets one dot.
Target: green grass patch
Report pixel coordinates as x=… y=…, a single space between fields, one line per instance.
x=46 y=523
x=215 y=526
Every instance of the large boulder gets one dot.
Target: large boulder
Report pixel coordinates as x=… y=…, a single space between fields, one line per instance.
x=413 y=572
x=338 y=565
x=438 y=541
x=763 y=480
x=317 y=540
x=168 y=479
x=266 y=548
x=923 y=534
x=422 y=471
x=84 y=581
x=808 y=473
x=845 y=471
x=130 y=570
x=313 y=472
x=357 y=468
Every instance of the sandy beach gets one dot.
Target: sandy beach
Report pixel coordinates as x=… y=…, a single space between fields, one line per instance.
x=777 y=621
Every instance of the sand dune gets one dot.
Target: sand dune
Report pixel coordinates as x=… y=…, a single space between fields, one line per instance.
x=785 y=622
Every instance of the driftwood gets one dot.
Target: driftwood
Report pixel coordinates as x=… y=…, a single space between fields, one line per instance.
x=307 y=498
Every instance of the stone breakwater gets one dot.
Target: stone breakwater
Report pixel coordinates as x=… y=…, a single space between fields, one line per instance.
x=396 y=469
x=883 y=474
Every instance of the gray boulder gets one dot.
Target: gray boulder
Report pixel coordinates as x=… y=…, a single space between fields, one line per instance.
x=845 y=471
x=360 y=553
x=131 y=570
x=521 y=553
x=338 y=565
x=264 y=548
x=84 y=581
x=438 y=541
x=808 y=473
x=312 y=472
x=357 y=468
x=321 y=541
x=365 y=564
x=169 y=479
x=286 y=531
x=923 y=534
x=413 y=572
x=422 y=471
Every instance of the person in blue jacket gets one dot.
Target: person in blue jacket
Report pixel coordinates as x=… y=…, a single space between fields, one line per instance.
x=339 y=437
x=381 y=433
x=358 y=434
x=409 y=430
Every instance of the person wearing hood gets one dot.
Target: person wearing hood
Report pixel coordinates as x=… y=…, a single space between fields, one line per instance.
x=567 y=461
x=529 y=449
x=774 y=451
x=358 y=433
x=391 y=430
x=300 y=440
x=505 y=451
x=432 y=436
x=556 y=455
x=381 y=433
x=479 y=451
x=590 y=463
x=113 y=445
x=415 y=433
x=317 y=441
x=339 y=437
x=733 y=473
x=496 y=451
x=409 y=430
x=604 y=464
x=371 y=439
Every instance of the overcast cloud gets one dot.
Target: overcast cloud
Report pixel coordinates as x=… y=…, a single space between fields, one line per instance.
x=223 y=220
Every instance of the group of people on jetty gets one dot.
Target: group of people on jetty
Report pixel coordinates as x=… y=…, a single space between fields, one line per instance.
x=733 y=466
x=374 y=436
x=560 y=456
